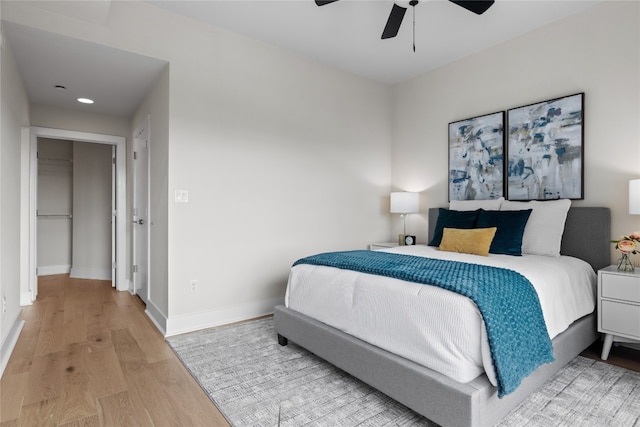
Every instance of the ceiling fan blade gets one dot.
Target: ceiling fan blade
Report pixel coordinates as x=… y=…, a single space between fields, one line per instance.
x=394 y=21
x=323 y=2
x=475 y=6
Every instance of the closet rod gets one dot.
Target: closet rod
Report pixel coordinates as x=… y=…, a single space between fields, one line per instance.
x=53 y=159
x=56 y=216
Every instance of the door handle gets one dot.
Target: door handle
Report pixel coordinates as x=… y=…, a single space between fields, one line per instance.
x=140 y=221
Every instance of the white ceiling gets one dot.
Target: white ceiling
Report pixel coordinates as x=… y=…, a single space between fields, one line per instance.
x=345 y=34
x=116 y=80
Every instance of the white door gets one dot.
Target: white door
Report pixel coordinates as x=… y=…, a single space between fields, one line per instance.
x=141 y=211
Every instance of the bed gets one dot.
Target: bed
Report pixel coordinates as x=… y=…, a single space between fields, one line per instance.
x=436 y=395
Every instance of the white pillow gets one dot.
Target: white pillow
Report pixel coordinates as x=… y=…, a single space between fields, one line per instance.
x=472 y=205
x=543 y=232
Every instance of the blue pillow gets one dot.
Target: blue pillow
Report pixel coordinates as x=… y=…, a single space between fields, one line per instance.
x=453 y=219
x=510 y=224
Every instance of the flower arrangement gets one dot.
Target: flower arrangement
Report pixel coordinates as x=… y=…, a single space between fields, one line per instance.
x=627 y=245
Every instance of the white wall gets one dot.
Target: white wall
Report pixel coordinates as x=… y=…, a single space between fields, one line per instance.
x=82 y=121
x=281 y=157
x=92 y=185
x=596 y=51
x=14 y=114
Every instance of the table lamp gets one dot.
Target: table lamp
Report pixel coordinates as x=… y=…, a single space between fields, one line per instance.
x=404 y=203
x=634 y=197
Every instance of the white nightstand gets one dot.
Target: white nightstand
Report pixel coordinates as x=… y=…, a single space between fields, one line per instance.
x=618 y=306
x=383 y=245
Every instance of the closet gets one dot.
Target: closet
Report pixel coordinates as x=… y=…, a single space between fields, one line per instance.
x=74 y=207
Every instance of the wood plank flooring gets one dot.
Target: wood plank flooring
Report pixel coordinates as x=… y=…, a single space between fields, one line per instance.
x=89 y=356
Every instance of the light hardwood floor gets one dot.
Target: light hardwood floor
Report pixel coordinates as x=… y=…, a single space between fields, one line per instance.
x=89 y=356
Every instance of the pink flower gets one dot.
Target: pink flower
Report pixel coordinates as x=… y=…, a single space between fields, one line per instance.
x=626 y=246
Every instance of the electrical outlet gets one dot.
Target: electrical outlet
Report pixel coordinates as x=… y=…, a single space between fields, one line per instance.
x=194 y=285
x=181 y=196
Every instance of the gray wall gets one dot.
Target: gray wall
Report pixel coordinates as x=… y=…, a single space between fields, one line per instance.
x=55 y=198
x=91 y=211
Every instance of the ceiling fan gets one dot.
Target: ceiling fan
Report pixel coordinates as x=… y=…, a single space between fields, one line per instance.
x=397 y=12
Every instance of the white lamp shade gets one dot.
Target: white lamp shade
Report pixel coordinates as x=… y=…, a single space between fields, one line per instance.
x=634 y=197
x=405 y=202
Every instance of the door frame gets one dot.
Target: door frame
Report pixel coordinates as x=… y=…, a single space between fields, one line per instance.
x=120 y=189
x=143 y=126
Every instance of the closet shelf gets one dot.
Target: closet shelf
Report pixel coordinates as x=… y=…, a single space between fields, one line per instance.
x=54 y=159
x=55 y=216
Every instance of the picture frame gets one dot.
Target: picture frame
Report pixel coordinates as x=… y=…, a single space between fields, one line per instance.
x=545 y=150
x=476 y=158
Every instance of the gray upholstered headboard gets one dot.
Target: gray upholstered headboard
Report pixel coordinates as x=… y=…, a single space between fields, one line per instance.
x=587 y=234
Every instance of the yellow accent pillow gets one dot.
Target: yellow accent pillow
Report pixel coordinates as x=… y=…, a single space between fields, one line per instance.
x=475 y=241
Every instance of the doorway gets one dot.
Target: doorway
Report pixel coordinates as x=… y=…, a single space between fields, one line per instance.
x=118 y=215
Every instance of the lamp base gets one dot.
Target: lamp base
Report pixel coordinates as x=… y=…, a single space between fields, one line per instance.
x=401 y=239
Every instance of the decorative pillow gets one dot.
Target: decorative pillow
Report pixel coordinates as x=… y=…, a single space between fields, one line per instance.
x=472 y=205
x=452 y=219
x=510 y=224
x=475 y=241
x=543 y=232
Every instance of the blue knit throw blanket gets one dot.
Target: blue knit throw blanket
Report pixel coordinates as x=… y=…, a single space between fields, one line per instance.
x=509 y=304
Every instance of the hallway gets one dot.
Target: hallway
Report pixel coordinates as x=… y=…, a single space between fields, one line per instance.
x=89 y=356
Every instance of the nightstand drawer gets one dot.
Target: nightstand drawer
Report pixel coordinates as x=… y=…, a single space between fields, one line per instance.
x=621 y=287
x=620 y=318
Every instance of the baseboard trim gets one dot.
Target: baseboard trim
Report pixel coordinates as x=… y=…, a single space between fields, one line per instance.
x=48 y=270
x=90 y=273
x=222 y=316
x=157 y=317
x=9 y=344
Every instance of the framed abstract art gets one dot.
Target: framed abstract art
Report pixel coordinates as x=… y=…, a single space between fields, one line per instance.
x=545 y=150
x=476 y=160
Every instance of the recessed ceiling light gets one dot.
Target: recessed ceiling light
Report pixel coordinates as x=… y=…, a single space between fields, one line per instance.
x=85 y=100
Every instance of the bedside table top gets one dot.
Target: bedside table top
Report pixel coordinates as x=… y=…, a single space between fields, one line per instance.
x=385 y=244
x=614 y=269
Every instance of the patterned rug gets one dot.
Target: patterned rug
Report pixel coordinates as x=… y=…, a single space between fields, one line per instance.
x=256 y=382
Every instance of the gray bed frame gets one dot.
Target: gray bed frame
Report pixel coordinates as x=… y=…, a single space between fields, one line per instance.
x=431 y=394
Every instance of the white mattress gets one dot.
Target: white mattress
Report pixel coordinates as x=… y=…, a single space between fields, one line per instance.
x=439 y=329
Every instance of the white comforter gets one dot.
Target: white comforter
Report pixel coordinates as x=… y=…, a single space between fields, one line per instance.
x=439 y=329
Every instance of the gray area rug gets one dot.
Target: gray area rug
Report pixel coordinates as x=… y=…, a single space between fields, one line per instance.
x=256 y=382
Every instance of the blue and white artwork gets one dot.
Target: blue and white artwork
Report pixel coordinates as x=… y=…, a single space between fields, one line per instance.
x=545 y=150
x=476 y=160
